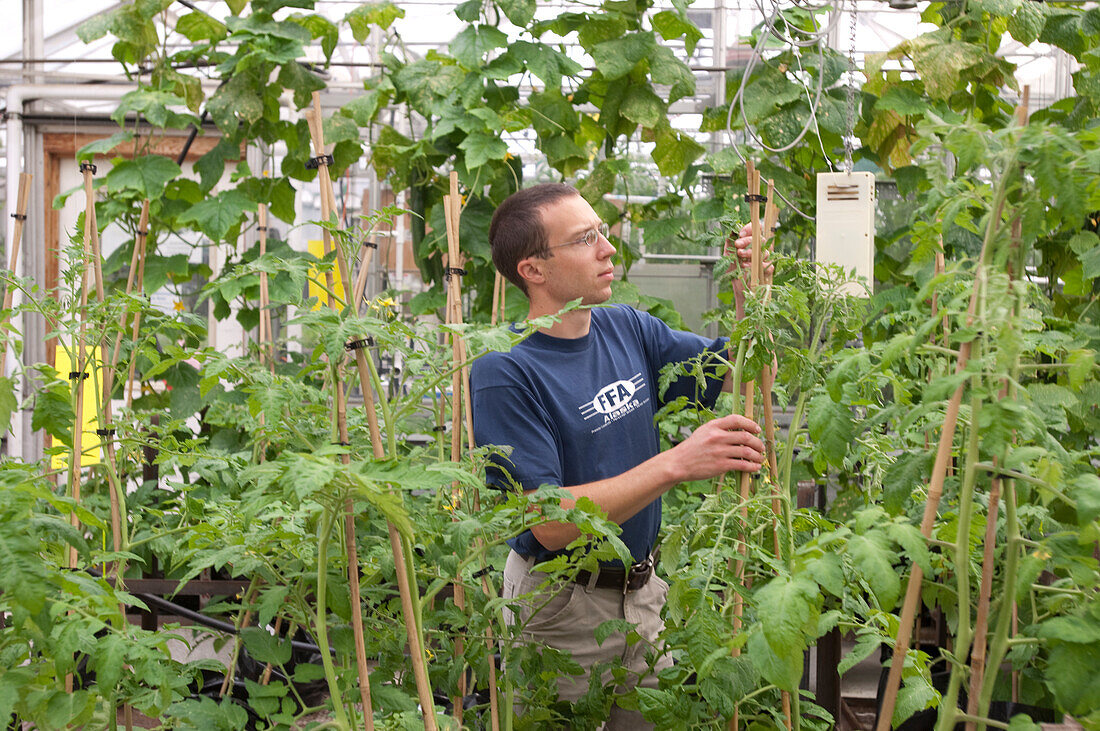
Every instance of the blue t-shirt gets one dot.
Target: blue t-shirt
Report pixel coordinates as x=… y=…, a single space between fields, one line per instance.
x=580 y=410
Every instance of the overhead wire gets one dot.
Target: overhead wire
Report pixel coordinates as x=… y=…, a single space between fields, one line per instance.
x=814 y=38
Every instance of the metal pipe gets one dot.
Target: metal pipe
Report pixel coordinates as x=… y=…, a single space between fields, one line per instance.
x=17 y=96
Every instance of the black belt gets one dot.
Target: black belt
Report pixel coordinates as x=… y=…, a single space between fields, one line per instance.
x=625 y=580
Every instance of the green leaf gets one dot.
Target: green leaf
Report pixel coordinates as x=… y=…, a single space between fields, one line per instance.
x=53 y=411
x=673 y=25
x=472 y=45
x=381 y=14
x=265 y=647
x=211 y=166
x=1023 y=722
x=665 y=68
x=940 y=62
x=616 y=58
x=1075 y=691
x=642 y=106
x=1026 y=23
x=831 y=427
x=902 y=100
x=146 y=175
x=674 y=150
x=791 y=606
x=865 y=645
x=198 y=26
x=782 y=670
x=908 y=472
x=104 y=146
x=1085 y=489
x=874 y=560
x=304 y=82
x=545 y=62
x=8 y=401
x=828 y=572
x=481 y=148
x=215 y=216
x=520 y=12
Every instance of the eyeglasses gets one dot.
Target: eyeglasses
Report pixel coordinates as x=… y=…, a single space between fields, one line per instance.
x=591 y=236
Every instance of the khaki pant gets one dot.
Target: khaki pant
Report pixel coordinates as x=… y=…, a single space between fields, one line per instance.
x=567 y=616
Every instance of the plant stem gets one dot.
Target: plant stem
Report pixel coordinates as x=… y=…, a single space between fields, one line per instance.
x=321 y=625
x=949 y=704
x=1005 y=612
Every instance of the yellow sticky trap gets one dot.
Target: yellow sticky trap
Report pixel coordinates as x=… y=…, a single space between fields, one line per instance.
x=90 y=440
x=317 y=278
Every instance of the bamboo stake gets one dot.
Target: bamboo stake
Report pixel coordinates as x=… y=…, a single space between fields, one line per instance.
x=350 y=544
x=749 y=392
x=462 y=412
x=313 y=117
x=141 y=246
x=266 y=334
x=498 y=298
x=20 y=217
x=767 y=380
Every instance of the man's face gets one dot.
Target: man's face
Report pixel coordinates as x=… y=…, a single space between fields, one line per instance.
x=574 y=268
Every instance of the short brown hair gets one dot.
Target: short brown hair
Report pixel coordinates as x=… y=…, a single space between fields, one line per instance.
x=516 y=231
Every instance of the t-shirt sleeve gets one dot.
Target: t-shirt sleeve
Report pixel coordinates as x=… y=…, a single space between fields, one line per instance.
x=509 y=415
x=666 y=346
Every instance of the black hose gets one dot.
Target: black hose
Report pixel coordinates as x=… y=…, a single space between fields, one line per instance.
x=199 y=618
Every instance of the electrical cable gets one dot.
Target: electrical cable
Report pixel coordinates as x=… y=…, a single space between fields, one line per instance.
x=814 y=38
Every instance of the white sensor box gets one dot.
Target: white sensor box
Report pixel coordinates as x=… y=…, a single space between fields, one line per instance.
x=846 y=226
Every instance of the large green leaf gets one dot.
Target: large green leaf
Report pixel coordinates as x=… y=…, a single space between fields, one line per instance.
x=104 y=146
x=791 y=606
x=615 y=58
x=642 y=106
x=381 y=14
x=520 y=12
x=674 y=150
x=197 y=26
x=874 y=560
x=146 y=176
x=215 y=216
x=672 y=25
x=265 y=647
x=940 y=61
x=481 y=148
x=831 y=427
x=545 y=62
x=474 y=42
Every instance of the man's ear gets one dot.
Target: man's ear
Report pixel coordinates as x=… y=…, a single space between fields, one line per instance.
x=531 y=270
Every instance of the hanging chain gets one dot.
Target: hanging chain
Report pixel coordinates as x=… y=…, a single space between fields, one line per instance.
x=850 y=130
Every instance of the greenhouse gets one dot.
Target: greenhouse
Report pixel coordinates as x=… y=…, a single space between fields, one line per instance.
x=505 y=364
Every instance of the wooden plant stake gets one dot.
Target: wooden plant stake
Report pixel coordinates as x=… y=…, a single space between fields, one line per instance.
x=266 y=334
x=20 y=217
x=498 y=299
x=350 y=543
x=462 y=413
x=401 y=565
x=749 y=393
x=137 y=262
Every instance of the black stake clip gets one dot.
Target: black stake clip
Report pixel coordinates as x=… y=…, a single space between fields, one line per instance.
x=755 y=198
x=105 y=432
x=367 y=342
x=19 y=216
x=458 y=271
x=315 y=162
x=87 y=166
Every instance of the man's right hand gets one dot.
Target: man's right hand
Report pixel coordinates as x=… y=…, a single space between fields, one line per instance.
x=726 y=444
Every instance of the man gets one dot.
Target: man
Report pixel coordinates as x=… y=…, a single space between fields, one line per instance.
x=576 y=403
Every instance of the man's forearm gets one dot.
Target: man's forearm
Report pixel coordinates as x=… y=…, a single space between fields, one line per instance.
x=621 y=497
x=726 y=444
